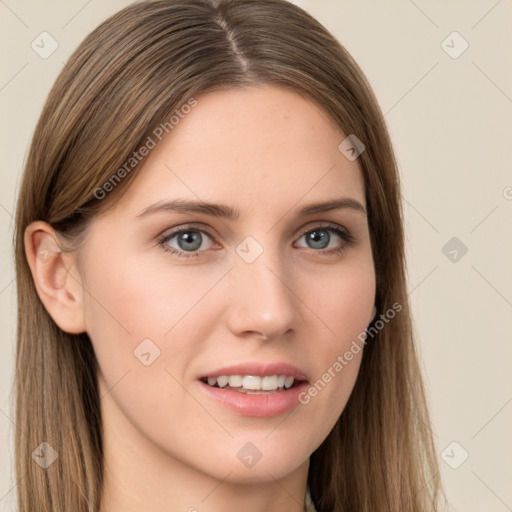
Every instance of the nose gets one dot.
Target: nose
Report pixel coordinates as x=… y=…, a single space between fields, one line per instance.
x=263 y=303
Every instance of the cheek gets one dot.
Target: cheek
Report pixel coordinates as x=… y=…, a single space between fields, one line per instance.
x=343 y=300
x=146 y=324
x=133 y=300
x=144 y=330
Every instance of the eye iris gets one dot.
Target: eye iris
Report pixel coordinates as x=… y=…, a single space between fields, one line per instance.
x=189 y=237
x=320 y=239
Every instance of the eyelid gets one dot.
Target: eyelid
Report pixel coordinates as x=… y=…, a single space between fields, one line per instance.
x=325 y=224
x=184 y=227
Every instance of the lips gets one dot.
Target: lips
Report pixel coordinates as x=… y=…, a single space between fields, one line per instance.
x=256 y=389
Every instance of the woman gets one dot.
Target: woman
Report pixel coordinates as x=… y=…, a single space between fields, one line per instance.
x=212 y=301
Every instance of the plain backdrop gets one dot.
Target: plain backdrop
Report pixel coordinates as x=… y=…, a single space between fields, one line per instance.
x=449 y=111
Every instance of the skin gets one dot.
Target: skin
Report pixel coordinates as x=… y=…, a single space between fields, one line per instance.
x=267 y=152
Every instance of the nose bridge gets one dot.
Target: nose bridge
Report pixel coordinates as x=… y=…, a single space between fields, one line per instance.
x=263 y=300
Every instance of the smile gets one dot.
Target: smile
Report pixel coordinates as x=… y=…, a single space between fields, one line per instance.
x=251 y=384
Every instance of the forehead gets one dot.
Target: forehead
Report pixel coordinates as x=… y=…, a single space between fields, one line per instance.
x=251 y=148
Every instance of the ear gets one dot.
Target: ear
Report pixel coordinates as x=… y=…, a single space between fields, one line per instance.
x=56 y=277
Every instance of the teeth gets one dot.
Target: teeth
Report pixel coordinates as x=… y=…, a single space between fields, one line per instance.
x=269 y=383
x=253 y=382
x=235 y=381
x=222 y=381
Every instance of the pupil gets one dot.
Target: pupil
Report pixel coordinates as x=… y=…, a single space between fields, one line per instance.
x=191 y=238
x=320 y=239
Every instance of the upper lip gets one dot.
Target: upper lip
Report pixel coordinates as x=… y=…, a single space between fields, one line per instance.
x=259 y=369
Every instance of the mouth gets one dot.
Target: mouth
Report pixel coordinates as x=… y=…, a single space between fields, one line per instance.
x=253 y=384
x=257 y=389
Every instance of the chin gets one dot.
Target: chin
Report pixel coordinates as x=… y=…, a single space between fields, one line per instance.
x=250 y=464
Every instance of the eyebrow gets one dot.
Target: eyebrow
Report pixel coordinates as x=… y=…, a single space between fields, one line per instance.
x=227 y=212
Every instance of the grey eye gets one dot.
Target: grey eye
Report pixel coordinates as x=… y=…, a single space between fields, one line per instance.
x=188 y=240
x=320 y=238
x=317 y=239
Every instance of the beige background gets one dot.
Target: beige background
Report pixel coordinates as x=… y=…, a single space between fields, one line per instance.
x=451 y=124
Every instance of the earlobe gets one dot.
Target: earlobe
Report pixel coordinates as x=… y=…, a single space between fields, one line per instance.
x=55 y=277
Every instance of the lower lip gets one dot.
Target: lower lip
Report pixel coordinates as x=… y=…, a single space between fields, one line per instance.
x=260 y=405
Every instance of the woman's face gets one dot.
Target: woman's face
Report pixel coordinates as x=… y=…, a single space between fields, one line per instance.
x=264 y=283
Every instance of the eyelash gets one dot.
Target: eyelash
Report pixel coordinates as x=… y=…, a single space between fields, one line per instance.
x=333 y=228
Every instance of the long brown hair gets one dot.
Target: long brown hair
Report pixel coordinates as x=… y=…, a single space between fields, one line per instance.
x=125 y=79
